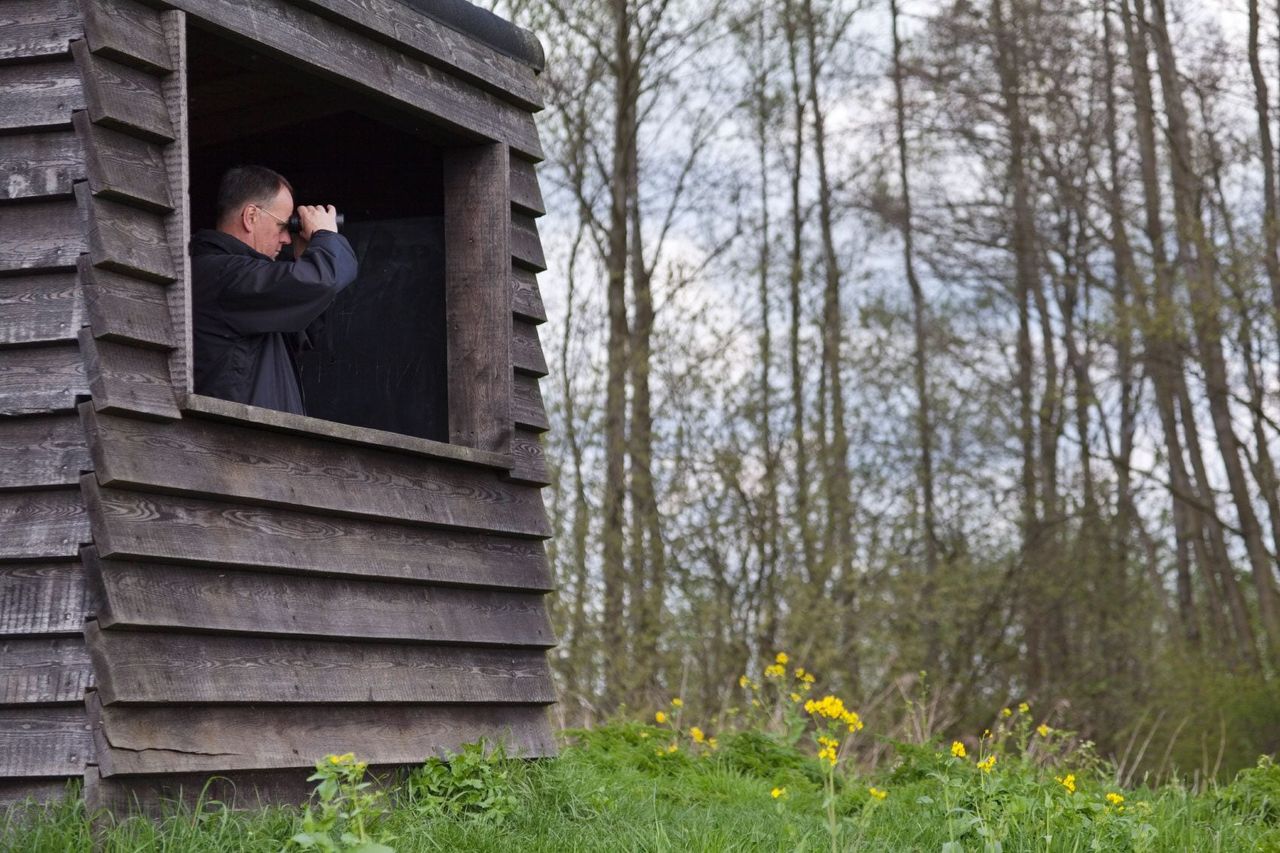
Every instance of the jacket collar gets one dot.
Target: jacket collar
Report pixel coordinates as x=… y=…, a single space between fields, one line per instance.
x=209 y=241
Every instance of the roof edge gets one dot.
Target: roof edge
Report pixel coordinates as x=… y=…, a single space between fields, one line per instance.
x=486 y=27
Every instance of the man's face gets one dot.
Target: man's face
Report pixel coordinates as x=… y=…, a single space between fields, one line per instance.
x=270 y=229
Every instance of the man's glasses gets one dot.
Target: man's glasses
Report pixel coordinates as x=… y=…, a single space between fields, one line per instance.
x=284 y=223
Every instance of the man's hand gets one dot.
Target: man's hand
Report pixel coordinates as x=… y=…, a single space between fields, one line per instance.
x=315 y=217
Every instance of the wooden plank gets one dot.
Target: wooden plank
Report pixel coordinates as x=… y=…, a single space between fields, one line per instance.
x=369 y=67
x=42 y=598
x=122 y=98
x=163 y=595
x=16 y=792
x=39 y=309
x=128 y=32
x=122 y=167
x=34 y=380
x=213 y=739
x=526 y=247
x=134 y=525
x=209 y=459
x=178 y=224
x=125 y=379
x=126 y=309
x=417 y=34
x=39 y=165
x=43 y=671
x=42 y=451
x=531 y=462
x=526 y=195
x=476 y=216
x=149 y=667
x=44 y=742
x=44 y=524
x=527 y=409
x=47 y=235
x=37 y=28
x=155 y=796
x=526 y=349
x=39 y=95
x=126 y=240
x=526 y=299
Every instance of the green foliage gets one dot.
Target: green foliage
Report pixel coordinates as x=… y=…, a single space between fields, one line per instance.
x=1255 y=792
x=475 y=783
x=344 y=810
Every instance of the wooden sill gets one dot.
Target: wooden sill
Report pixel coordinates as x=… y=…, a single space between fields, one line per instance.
x=226 y=410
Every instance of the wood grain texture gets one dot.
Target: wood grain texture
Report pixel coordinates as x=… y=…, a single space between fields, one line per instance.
x=527 y=409
x=526 y=349
x=31 y=29
x=184 y=739
x=154 y=796
x=43 y=671
x=206 y=458
x=526 y=299
x=39 y=165
x=40 y=379
x=122 y=98
x=44 y=524
x=526 y=195
x=42 y=451
x=163 y=595
x=134 y=525
x=476 y=214
x=125 y=239
x=371 y=68
x=531 y=462
x=178 y=224
x=39 y=308
x=42 y=598
x=122 y=167
x=128 y=32
x=34 y=789
x=42 y=236
x=44 y=742
x=147 y=667
x=124 y=379
x=39 y=95
x=419 y=35
x=126 y=309
x=526 y=246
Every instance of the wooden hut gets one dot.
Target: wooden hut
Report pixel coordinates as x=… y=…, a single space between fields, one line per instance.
x=191 y=586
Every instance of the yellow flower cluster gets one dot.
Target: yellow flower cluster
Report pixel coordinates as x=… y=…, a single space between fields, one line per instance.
x=833 y=708
x=1043 y=730
x=781 y=658
x=1006 y=712
x=878 y=793
x=806 y=677
x=795 y=697
x=677 y=702
x=1068 y=781
x=1024 y=708
x=660 y=717
x=697 y=735
x=345 y=758
x=829 y=748
x=776 y=670
x=1114 y=798
x=987 y=763
x=957 y=749
x=778 y=793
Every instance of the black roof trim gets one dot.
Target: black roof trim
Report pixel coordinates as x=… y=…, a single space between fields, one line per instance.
x=484 y=26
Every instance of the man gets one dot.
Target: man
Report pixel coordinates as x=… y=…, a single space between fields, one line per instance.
x=251 y=311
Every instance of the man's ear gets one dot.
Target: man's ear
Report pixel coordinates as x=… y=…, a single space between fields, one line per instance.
x=247 y=217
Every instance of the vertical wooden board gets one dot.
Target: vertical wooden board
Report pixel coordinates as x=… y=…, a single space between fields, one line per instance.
x=526 y=195
x=526 y=246
x=42 y=598
x=178 y=224
x=477 y=216
x=526 y=349
x=526 y=299
x=47 y=235
x=47 y=450
x=527 y=408
x=126 y=240
x=37 y=28
x=121 y=167
x=39 y=165
x=39 y=95
x=531 y=463
x=128 y=32
x=122 y=98
x=43 y=671
x=39 y=308
x=40 y=379
x=126 y=379
x=44 y=742
x=126 y=309
x=44 y=524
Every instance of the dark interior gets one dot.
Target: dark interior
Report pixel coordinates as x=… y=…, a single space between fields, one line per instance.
x=379 y=359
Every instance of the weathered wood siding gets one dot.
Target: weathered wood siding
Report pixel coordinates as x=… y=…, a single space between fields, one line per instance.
x=44 y=666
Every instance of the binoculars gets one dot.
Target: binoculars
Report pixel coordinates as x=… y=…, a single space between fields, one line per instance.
x=295 y=224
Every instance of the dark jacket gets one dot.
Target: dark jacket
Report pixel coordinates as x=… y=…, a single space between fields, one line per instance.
x=250 y=314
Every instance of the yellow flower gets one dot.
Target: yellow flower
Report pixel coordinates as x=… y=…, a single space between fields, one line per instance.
x=677 y=702
x=1114 y=798
x=743 y=681
x=781 y=657
x=1068 y=781
x=1006 y=712
x=795 y=697
x=878 y=793
x=828 y=754
x=660 y=717
x=1024 y=708
x=697 y=735
x=986 y=733
x=807 y=678
x=987 y=763
x=713 y=743
x=345 y=758
x=1043 y=730
x=799 y=672
x=957 y=749
x=674 y=747
x=778 y=793
x=776 y=670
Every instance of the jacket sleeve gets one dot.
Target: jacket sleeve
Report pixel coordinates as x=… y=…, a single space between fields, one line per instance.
x=286 y=296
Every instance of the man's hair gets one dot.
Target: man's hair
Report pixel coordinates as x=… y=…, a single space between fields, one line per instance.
x=243 y=185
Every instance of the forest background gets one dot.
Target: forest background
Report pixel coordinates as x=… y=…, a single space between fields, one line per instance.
x=935 y=343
